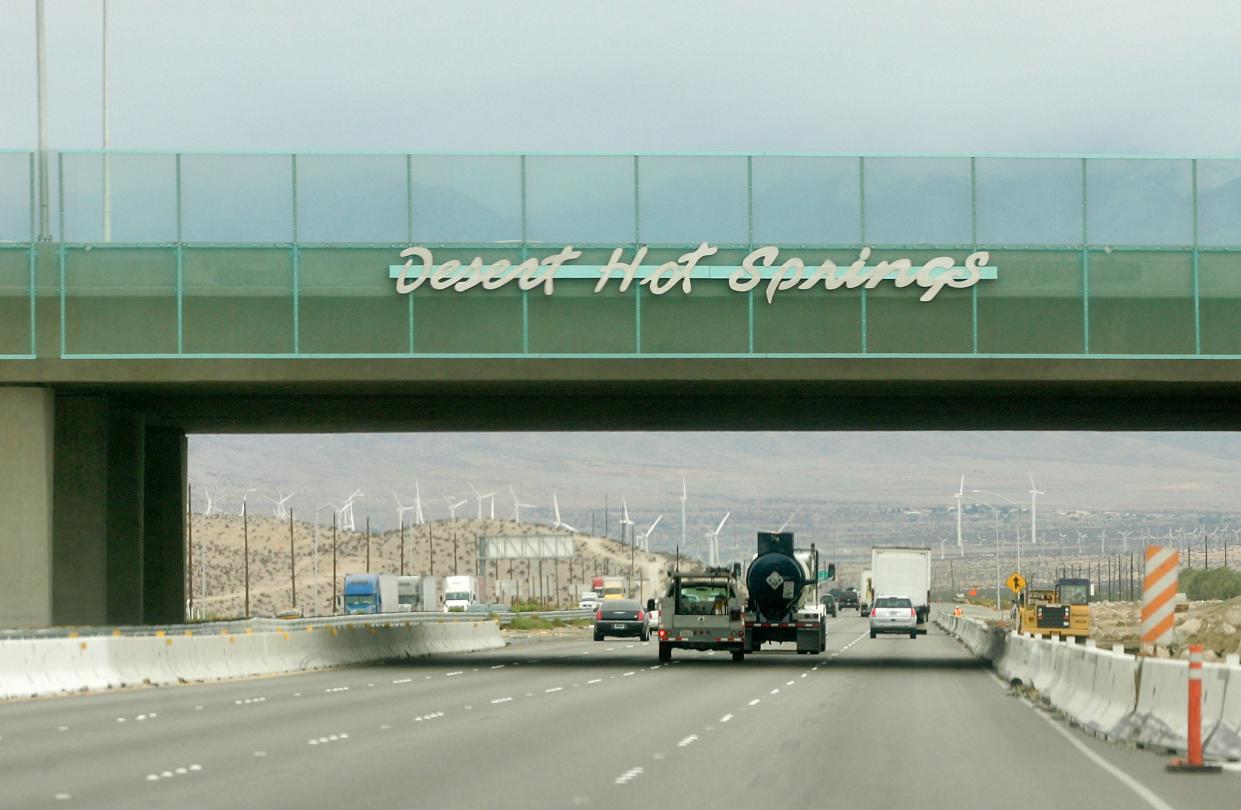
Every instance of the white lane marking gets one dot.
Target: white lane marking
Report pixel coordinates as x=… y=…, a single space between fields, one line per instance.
x=66 y=728
x=337 y=689
x=256 y=753
x=1142 y=791
x=804 y=674
x=553 y=689
x=687 y=741
x=502 y=700
x=610 y=649
x=755 y=702
x=198 y=708
x=595 y=680
x=629 y=775
x=403 y=680
x=789 y=683
x=62 y=797
x=196 y=767
x=498 y=666
x=654 y=667
x=152 y=777
x=726 y=718
x=627 y=674
x=458 y=672
x=774 y=692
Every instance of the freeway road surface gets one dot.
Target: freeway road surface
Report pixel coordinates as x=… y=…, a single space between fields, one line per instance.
x=884 y=723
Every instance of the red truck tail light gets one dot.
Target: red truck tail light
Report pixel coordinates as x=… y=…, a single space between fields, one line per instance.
x=663 y=634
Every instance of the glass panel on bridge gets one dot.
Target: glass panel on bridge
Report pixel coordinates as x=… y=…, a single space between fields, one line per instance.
x=237 y=198
x=1219 y=280
x=121 y=300
x=1038 y=310
x=807 y=200
x=918 y=201
x=120 y=198
x=472 y=199
x=352 y=198
x=1219 y=202
x=687 y=200
x=1141 y=302
x=15 y=197
x=1139 y=202
x=577 y=200
x=1029 y=201
x=14 y=301
x=249 y=289
x=346 y=307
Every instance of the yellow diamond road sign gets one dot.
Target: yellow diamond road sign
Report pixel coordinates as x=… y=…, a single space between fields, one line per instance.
x=1016 y=582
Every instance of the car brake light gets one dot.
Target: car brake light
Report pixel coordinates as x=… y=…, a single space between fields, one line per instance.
x=598 y=615
x=641 y=616
x=663 y=634
x=913 y=613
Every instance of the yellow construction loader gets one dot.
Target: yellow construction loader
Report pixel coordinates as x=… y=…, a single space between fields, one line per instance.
x=1064 y=611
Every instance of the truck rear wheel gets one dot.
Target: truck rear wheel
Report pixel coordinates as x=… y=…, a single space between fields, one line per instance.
x=665 y=652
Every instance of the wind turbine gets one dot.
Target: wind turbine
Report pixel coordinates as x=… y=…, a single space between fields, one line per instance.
x=401 y=510
x=418 y=518
x=210 y=503
x=1034 y=493
x=960 y=496
x=517 y=505
x=1124 y=540
x=482 y=496
x=646 y=535
x=713 y=541
x=1080 y=537
x=560 y=524
x=453 y=507
x=786 y=523
x=278 y=505
x=345 y=511
x=625 y=521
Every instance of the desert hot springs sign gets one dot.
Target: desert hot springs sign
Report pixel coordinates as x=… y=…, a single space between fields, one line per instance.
x=761 y=267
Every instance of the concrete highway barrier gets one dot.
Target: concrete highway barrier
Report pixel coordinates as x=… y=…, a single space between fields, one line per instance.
x=1111 y=694
x=44 y=666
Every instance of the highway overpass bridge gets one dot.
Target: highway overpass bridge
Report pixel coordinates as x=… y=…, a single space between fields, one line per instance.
x=145 y=296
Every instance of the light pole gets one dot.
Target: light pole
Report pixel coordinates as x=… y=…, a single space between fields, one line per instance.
x=995 y=513
x=1013 y=503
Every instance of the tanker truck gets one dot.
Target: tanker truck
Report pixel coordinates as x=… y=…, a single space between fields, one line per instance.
x=783 y=604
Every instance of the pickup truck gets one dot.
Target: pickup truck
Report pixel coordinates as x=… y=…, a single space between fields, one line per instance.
x=701 y=612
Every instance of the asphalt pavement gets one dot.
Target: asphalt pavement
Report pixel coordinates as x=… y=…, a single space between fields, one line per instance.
x=890 y=722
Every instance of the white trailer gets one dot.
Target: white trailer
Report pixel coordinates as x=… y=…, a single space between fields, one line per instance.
x=903 y=571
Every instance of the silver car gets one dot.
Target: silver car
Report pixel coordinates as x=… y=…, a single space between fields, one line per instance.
x=894 y=614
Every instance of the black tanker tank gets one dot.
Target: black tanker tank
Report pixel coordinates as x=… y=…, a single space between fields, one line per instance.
x=776 y=577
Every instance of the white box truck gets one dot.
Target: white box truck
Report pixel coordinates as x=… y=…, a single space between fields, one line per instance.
x=461 y=591
x=903 y=571
x=417 y=594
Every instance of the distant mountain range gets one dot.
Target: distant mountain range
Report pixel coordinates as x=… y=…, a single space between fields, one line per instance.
x=761 y=478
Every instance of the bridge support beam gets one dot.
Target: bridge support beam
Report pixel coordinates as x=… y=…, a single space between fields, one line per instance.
x=163 y=526
x=92 y=513
x=26 y=450
x=80 y=511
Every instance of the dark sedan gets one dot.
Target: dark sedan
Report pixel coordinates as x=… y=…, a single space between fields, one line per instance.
x=621 y=617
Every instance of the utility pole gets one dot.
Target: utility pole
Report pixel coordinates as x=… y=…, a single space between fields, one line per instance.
x=334 y=585
x=402 y=569
x=605 y=515
x=245 y=535
x=292 y=561
x=368 y=544
x=455 y=559
x=431 y=548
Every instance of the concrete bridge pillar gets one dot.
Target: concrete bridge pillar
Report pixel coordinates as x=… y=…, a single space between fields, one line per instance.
x=26 y=451
x=92 y=513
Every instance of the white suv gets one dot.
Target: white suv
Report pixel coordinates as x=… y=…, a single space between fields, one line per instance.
x=894 y=614
x=589 y=601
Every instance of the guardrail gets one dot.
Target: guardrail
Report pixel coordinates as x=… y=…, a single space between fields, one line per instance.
x=267 y=625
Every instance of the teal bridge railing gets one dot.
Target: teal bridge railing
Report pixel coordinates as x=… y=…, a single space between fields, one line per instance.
x=247 y=255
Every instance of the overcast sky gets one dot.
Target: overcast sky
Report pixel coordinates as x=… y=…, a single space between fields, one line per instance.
x=928 y=76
